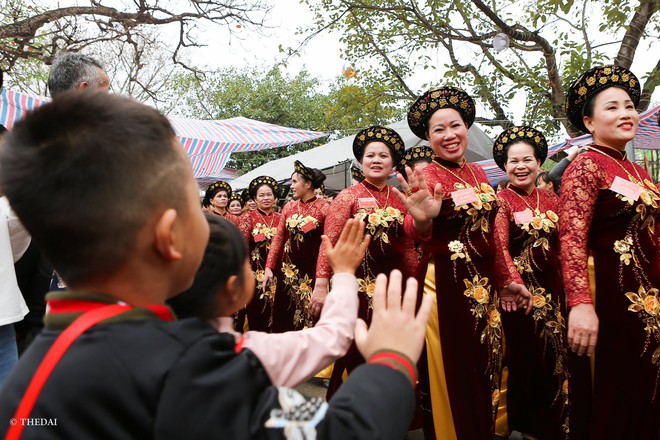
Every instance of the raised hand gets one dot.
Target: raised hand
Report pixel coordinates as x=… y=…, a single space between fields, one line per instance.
x=394 y=325
x=421 y=202
x=344 y=257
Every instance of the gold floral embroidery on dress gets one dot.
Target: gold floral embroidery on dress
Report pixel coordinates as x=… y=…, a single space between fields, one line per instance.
x=302 y=287
x=265 y=230
x=298 y=225
x=647 y=304
x=547 y=316
x=367 y=286
x=458 y=250
x=649 y=195
x=485 y=306
x=541 y=222
x=624 y=248
x=379 y=220
x=477 y=211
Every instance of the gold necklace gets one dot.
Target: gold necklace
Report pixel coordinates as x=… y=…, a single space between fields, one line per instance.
x=477 y=183
x=308 y=205
x=387 y=198
x=630 y=177
x=272 y=220
x=538 y=200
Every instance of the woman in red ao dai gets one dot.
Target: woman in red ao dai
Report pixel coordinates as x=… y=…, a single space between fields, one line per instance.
x=611 y=258
x=259 y=227
x=291 y=264
x=536 y=354
x=373 y=201
x=451 y=210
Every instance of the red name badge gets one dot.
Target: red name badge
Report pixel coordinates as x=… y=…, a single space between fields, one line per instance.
x=521 y=217
x=308 y=227
x=367 y=202
x=464 y=196
x=626 y=188
x=259 y=237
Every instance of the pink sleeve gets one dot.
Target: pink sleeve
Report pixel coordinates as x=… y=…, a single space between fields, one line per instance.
x=293 y=357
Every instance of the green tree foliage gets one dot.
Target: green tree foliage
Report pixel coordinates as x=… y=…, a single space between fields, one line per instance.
x=270 y=95
x=551 y=42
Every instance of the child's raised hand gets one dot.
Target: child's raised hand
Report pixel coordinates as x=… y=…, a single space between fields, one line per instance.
x=394 y=325
x=348 y=253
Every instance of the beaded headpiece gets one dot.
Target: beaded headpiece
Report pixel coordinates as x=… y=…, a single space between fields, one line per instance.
x=444 y=97
x=517 y=134
x=377 y=133
x=596 y=80
x=263 y=180
x=219 y=185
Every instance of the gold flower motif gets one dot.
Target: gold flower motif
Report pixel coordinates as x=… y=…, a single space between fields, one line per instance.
x=552 y=216
x=537 y=222
x=494 y=318
x=538 y=301
x=644 y=301
x=651 y=305
x=481 y=295
x=259 y=275
x=374 y=219
x=290 y=271
x=623 y=247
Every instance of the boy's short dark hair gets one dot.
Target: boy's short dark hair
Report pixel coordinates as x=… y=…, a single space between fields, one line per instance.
x=85 y=172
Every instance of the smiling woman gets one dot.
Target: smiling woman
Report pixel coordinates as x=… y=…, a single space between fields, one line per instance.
x=538 y=392
x=609 y=211
x=451 y=210
x=379 y=149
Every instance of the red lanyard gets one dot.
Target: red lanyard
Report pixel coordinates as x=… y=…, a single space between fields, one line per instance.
x=57 y=350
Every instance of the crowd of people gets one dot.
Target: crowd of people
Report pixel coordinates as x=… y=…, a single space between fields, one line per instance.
x=531 y=307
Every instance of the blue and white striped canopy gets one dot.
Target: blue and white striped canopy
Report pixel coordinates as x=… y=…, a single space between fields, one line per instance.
x=208 y=143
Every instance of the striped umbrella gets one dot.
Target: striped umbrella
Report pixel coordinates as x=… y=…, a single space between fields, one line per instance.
x=209 y=144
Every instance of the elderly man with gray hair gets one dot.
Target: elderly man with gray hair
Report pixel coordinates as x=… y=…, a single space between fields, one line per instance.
x=72 y=70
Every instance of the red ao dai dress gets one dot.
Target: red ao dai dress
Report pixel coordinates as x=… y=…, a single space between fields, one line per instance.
x=258 y=229
x=536 y=351
x=292 y=258
x=390 y=248
x=609 y=211
x=464 y=335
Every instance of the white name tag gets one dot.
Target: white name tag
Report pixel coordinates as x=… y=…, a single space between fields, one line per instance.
x=521 y=217
x=367 y=202
x=464 y=196
x=626 y=188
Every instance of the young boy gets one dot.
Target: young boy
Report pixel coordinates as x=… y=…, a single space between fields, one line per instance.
x=103 y=186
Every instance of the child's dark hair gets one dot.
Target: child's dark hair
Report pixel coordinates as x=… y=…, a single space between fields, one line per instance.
x=83 y=147
x=547 y=178
x=225 y=256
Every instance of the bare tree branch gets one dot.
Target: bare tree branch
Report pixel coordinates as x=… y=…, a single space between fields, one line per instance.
x=634 y=32
x=652 y=82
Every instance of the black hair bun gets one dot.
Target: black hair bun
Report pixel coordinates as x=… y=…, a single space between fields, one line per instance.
x=318 y=178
